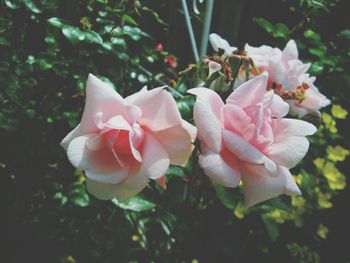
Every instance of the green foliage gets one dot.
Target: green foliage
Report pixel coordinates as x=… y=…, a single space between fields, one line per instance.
x=47 y=50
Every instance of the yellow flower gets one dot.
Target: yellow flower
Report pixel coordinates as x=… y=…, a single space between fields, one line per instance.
x=319 y=163
x=298 y=178
x=329 y=122
x=322 y=231
x=279 y=216
x=298 y=201
x=337 y=153
x=240 y=211
x=339 y=112
x=324 y=200
x=335 y=178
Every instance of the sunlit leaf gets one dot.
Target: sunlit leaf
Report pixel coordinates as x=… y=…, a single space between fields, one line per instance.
x=136 y=203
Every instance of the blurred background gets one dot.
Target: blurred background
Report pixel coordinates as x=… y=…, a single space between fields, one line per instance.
x=47 y=49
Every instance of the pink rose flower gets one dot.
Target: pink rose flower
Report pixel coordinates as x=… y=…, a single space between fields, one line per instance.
x=289 y=76
x=248 y=139
x=122 y=143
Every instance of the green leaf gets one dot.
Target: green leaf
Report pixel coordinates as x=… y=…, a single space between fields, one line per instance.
x=264 y=24
x=185 y=106
x=133 y=32
x=155 y=15
x=281 y=30
x=136 y=203
x=81 y=200
x=73 y=34
x=58 y=22
x=176 y=171
x=129 y=19
x=120 y=42
x=345 y=33
x=312 y=35
x=4 y=42
x=271 y=227
x=13 y=4
x=34 y=5
x=93 y=37
x=225 y=196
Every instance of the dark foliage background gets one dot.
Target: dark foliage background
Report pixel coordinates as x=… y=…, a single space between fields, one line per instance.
x=47 y=49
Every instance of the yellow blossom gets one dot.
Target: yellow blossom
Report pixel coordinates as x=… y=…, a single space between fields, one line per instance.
x=298 y=201
x=329 y=122
x=339 y=112
x=240 y=211
x=298 y=178
x=322 y=231
x=319 y=163
x=335 y=178
x=337 y=153
x=324 y=200
x=279 y=216
x=135 y=238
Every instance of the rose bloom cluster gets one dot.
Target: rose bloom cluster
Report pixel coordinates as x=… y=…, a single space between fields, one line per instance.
x=123 y=143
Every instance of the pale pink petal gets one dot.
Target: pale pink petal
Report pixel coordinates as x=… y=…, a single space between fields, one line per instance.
x=130 y=99
x=136 y=137
x=132 y=185
x=70 y=136
x=159 y=109
x=289 y=151
x=249 y=93
x=214 y=166
x=213 y=67
x=218 y=42
x=161 y=182
x=244 y=151
x=177 y=141
x=290 y=52
x=259 y=186
x=155 y=159
x=112 y=177
x=100 y=190
x=132 y=113
x=100 y=97
x=82 y=157
x=206 y=113
x=292 y=127
x=235 y=119
x=117 y=123
x=278 y=107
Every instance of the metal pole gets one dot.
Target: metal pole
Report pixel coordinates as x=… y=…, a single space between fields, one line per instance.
x=206 y=27
x=190 y=30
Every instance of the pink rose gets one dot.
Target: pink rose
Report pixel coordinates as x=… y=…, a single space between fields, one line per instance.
x=247 y=138
x=122 y=143
x=288 y=74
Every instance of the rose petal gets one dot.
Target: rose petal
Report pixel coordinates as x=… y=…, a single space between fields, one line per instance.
x=155 y=158
x=226 y=174
x=177 y=141
x=249 y=93
x=100 y=97
x=278 y=107
x=291 y=127
x=70 y=136
x=290 y=51
x=206 y=113
x=247 y=152
x=218 y=42
x=159 y=109
x=100 y=161
x=259 y=186
x=289 y=151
